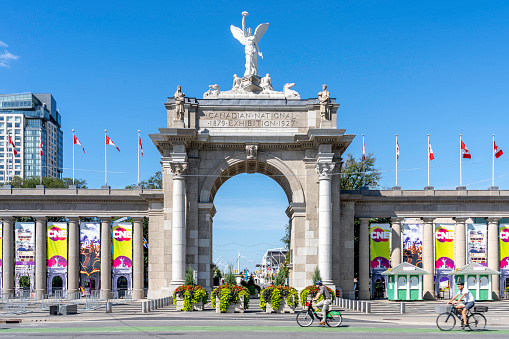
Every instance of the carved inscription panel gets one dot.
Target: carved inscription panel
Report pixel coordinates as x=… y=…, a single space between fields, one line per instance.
x=217 y=119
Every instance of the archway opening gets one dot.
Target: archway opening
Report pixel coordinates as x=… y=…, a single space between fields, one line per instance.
x=121 y=286
x=57 y=284
x=249 y=226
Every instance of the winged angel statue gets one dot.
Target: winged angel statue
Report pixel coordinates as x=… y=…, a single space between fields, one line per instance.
x=250 y=42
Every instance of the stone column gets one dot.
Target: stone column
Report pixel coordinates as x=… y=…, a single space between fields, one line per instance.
x=324 y=170
x=138 y=271
x=364 y=262
x=460 y=242
x=396 y=242
x=73 y=262
x=178 y=246
x=428 y=261
x=8 y=255
x=40 y=256
x=493 y=258
x=105 y=257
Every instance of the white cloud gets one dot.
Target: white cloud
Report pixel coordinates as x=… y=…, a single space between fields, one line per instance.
x=3 y=44
x=6 y=57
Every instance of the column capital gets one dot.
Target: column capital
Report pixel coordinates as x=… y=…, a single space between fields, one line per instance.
x=428 y=220
x=364 y=221
x=7 y=218
x=493 y=220
x=73 y=219
x=297 y=209
x=41 y=219
x=397 y=220
x=460 y=220
x=178 y=168
x=137 y=219
x=324 y=170
x=106 y=219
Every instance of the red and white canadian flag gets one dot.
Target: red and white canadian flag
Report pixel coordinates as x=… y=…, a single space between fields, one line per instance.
x=430 y=151
x=77 y=142
x=41 y=146
x=13 y=146
x=110 y=142
x=397 y=150
x=141 y=147
x=497 y=150
x=466 y=152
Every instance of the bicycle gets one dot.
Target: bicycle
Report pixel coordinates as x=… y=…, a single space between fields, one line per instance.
x=306 y=317
x=447 y=320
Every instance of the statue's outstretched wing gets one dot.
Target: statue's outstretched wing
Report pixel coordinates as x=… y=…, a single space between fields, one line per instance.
x=260 y=31
x=238 y=34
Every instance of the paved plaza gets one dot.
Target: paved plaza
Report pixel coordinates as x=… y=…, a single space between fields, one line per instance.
x=127 y=321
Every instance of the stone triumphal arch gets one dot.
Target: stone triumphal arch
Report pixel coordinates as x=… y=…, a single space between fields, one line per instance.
x=287 y=139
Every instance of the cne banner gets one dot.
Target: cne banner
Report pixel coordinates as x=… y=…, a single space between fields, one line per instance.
x=379 y=236
x=122 y=245
x=57 y=245
x=504 y=247
x=444 y=246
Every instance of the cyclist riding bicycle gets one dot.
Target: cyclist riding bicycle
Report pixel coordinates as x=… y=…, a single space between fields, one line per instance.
x=326 y=301
x=468 y=303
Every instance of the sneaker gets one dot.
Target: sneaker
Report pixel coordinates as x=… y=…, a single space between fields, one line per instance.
x=321 y=323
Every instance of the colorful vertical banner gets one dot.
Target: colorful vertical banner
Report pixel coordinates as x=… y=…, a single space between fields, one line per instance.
x=90 y=255
x=379 y=235
x=122 y=236
x=504 y=248
x=444 y=246
x=57 y=256
x=24 y=241
x=412 y=244
x=1 y=251
x=477 y=243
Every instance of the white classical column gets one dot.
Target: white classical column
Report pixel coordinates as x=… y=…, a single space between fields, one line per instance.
x=138 y=271
x=396 y=242
x=178 y=245
x=40 y=256
x=8 y=256
x=105 y=257
x=493 y=258
x=364 y=262
x=73 y=268
x=460 y=242
x=324 y=170
x=428 y=261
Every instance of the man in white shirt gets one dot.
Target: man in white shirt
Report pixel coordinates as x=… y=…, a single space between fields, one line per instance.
x=466 y=305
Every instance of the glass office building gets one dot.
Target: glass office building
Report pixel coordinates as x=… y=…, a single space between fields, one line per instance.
x=30 y=119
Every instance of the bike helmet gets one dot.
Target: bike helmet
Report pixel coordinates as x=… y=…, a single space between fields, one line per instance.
x=318 y=282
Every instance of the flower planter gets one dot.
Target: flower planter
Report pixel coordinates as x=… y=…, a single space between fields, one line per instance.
x=283 y=308
x=196 y=306
x=234 y=307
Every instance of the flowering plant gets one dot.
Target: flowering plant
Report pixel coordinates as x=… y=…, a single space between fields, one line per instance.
x=227 y=294
x=312 y=291
x=274 y=294
x=191 y=294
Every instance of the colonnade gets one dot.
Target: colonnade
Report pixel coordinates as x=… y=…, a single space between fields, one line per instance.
x=428 y=259
x=73 y=256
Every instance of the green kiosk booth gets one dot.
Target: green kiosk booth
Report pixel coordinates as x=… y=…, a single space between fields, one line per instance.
x=405 y=282
x=477 y=278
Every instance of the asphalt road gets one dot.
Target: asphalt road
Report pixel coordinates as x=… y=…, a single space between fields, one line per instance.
x=208 y=324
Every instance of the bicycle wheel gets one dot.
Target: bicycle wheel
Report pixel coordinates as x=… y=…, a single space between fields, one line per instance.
x=446 y=321
x=334 y=320
x=304 y=319
x=476 y=322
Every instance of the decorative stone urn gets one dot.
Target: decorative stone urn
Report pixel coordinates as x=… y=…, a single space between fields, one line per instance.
x=283 y=307
x=196 y=306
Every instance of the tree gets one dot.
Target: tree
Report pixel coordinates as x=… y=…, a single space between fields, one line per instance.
x=154 y=182
x=189 y=279
x=286 y=238
x=316 y=275
x=357 y=173
x=229 y=277
x=49 y=182
x=280 y=278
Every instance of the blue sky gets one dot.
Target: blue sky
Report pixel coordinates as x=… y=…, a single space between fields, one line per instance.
x=406 y=67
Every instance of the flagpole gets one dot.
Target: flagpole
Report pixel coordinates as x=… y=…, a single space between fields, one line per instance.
x=428 y=160
x=396 y=160
x=493 y=162
x=73 y=156
x=138 y=157
x=363 y=158
x=40 y=152
x=105 y=162
x=460 y=161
